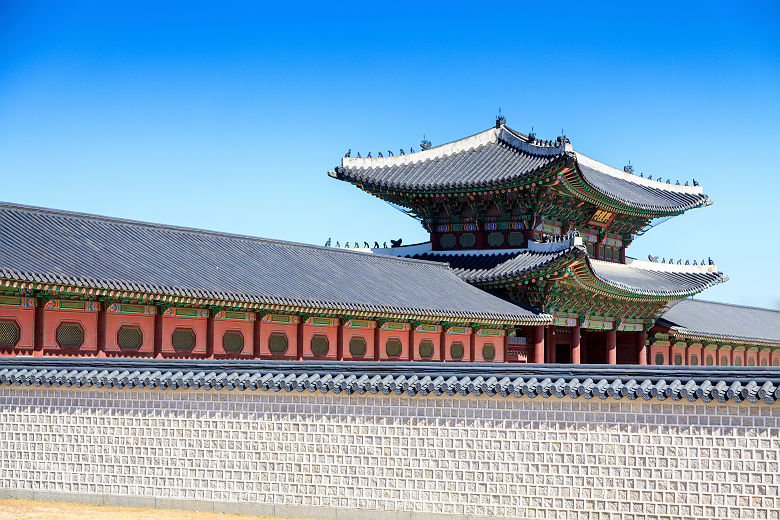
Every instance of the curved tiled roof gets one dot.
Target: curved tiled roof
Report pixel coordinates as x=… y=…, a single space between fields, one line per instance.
x=638 y=192
x=490 y=157
x=462 y=264
x=723 y=321
x=48 y=246
x=721 y=384
x=522 y=263
x=636 y=276
x=651 y=279
x=502 y=155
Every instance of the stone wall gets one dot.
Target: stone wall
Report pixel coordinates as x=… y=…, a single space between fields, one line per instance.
x=339 y=456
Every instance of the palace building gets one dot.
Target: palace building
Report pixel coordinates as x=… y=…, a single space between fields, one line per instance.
x=526 y=263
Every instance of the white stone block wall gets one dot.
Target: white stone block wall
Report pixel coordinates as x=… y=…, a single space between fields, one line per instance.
x=466 y=456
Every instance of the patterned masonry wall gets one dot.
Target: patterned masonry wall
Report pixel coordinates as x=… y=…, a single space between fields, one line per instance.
x=492 y=456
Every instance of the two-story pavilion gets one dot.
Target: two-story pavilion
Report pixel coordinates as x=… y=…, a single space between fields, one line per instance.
x=544 y=225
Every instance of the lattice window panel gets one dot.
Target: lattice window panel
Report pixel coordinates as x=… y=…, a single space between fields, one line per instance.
x=393 y=347
x=70 y=335
x=183 y=339
x=277 y=343
x=130 y=338
x=468 y=240
x=488 y=351
x=233 y=341
x=357 y=346
x=457 y=350
x=448 y=241
x=496 y=239
x=319 y=345
x=9 y=333
x=426 y=348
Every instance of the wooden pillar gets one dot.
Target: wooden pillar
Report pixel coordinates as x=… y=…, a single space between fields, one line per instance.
x=574 y=341
x=612 y=347
x=38 y=330
x=210 y=337
x=641 y=344
x=299 y=338
x=377 y=345
x=158 y=333
x=101 y=331
x=340 y=341
x=538 y=340
x=549 y=343
x=256 y=348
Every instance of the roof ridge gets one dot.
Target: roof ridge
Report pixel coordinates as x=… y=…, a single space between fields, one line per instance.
x=538 y=147
x=198 y=231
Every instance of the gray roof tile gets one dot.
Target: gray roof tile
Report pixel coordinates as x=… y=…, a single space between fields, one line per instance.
x=640 y=196
x=502 y=155
x=737 y=384
x=646 y=278
x=98 y=252
x=722 y=320
x=656 y=280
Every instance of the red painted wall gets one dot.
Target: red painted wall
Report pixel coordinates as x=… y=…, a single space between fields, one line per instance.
x=288 y=329
x=694 y=354
x=25 y=320
x=368 y=336
x=384 y=336
x=450 y=338
x=498 y=344
x=330 y=332
x=171 y=323
x=87 y=320
x=246 y=328
x=663 y=350
x=116 y=320
x=433 y=337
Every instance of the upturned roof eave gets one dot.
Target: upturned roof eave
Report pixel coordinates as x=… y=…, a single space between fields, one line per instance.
x=565 y=158
x=576 y=257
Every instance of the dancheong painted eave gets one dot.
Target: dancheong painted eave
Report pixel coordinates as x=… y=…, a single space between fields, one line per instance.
x=59 y=251
x=502 y=158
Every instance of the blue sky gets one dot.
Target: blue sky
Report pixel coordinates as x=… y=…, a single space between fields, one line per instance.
x=228 y=116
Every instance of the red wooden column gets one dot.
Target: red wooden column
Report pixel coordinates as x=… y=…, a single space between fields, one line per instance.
x=612 y=347
x=101 y=331
x=549 y=343
x=210 y=336
x=539 y=344
x=641 y=343
x=38 y=330
x=575 y=345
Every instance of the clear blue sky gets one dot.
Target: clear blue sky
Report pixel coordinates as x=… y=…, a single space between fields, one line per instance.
x=227 y=116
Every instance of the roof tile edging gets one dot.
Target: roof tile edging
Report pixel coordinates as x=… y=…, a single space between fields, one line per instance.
x=499 y=380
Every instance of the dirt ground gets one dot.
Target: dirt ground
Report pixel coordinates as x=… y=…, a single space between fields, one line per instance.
x=34 y=510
